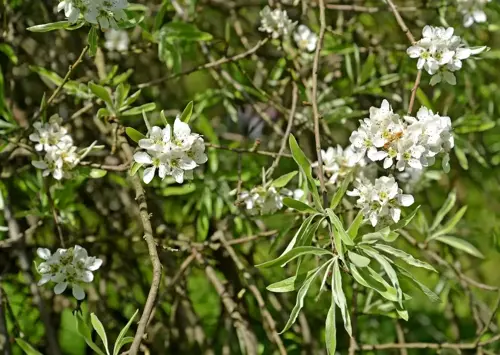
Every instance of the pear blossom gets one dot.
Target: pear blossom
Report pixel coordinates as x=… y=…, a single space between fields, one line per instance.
x=440 y=53
x=104 y=13
x=472 y=11
x=305 y=38
x=116 y=40
x=381 y=201
x=49 y=135
x=172 y=151
x=262 y=200
x=275 y=22
x=339 y=162
x=67 y=267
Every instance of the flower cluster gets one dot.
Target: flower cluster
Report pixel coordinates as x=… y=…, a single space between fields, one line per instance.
x=440 y=53
x=472 y=10
x=174 y=153
x=276 y=22
x=305 y=38
x=411 y=141
x=67 y=267
x=54 y=140
x=105 y=13
x=380 y=201
x=267 y=200
x=116 y=40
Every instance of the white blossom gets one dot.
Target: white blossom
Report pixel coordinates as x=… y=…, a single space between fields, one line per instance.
x=472 y=11
x=305 y=38
x=104 y=13
x=49 y=135
x=116 y=40
x=380 y=201
x=172 y=152
x=262 y=200
x=275 y=22
x=406 y=142
x=440 y=53
x=67 y=267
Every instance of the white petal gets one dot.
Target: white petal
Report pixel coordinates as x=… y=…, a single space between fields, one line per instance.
x=149 y=174
x=395 y=214
x=181 y=129
x=45 y=278
x=78 y=292
x=87 y=276
x=387 y=163
x=95 y=265
x=178 y=175
x=406 y=200
x=142 y=158
x=60 y=287
x=39 y=164
x=44 y=253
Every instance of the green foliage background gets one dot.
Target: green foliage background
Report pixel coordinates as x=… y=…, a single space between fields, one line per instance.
x=363 y=61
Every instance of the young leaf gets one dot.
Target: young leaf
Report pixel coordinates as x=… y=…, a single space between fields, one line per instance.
x=367 y=69
x=99 y=328
x=139 y=109
x=339 y=297
x=121 y=340
x=46 y=27
x=445 y=208
x=97 y=173
x=300 y=232
x=26 y=347
x=298 y=205
x=290 y=284
x=134 y=134
x=134 y=168
x=130 y=100
x=92 y=39
x=102 y=93
x=331 y=329
x=460 y=244
x=450 y=225
x=85 y=332
x=389 y=270
x=283 y=180
x=354 y=227
x=339 y=194
x=339 y=227
x=299 y=303
x=358 y=260
x=295 y=253
x=185 y=31
x=405 y=221
x=407 y=258
x=187 y=113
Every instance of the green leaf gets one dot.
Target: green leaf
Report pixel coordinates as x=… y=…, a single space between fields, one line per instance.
x=140 y=109
x=9 y=52
x=358 y=260
x=99 y=328
x=295 y=253
x=450 y=225
x=185 y=31
x=134 y=134
x=462 y=158
x=367 y=69
x=431 y=295
x=298 y=205
x=445 y=208
x=354 y=227
x=290 y=284
x=339 y=297
x=97 y=173
x=339 y=227
x=130 y=100
x=102 y=93
x=26 y=347
x=339 y=194
x=299 y=303
x=85 y=332
x=389 y=270
x=187 y=113
x=46 y=27
x=134 y=168
x=407 y=258
x=283 y=180
x=103 y=112
x=304 y=165
x=300 y=232
x=331 y=329
x=460 y=244
x=405 y=221
x=373 y=281
x=92 y=39
x=121 y=339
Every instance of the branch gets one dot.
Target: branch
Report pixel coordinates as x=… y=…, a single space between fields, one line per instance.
x=315 y=98
x=249 y=151
x=4 y=331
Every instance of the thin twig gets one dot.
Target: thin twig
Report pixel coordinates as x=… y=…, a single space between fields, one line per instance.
x=401 y=22
x=462 y=346
x=206 y=65
x=314 y=98
x=414 y=91
x=54 y=214
x=492 y=316
x=248 y=151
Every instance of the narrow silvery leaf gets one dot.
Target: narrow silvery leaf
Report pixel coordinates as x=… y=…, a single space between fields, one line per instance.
x=121 y=339
x=450 y=225
x=391 y=273
x=300 y=232
x=339 y=297
x=331 y=330
x=430 y=294
x=85 y=332
x=99 y=328
x=346 y=239
x=357 y=259
x=298 y=205
x=327 y=272
x=187 y=113
x=409 y=259
x=299 y=303
x=283 y=180
x=134 y=134
x=460 y=244
x=294 y=253
x=445 y=208
x=354 y=227
x=339 y=194
x=102 y=93
x=405 y=221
